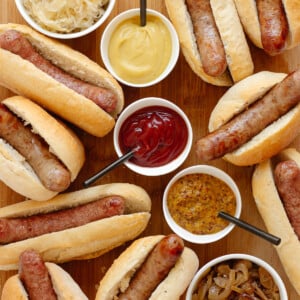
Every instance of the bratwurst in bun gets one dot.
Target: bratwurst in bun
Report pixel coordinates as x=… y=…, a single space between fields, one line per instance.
x=154 y=267
x=38 y=280
x=59 y=78
x=276 y=190
x=39 y=156
x=272 y=25
x=76 y=225
x=254 y=120
x=212 y=39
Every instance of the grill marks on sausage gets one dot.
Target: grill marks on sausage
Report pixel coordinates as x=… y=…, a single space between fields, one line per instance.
x=287 y=179
x=273 y=25
x=208 y=39
x=52 y=173
x=156 y=267
x=17 y=229
x=241 y=128
x=16 y=43
x=35 y=276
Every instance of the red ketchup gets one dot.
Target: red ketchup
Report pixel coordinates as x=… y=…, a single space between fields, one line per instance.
x=157 y=133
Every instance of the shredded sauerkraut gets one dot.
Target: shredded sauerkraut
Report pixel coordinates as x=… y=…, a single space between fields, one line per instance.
x=65 y=16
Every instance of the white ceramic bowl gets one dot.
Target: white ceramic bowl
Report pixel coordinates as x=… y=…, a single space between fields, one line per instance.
x=36 y=26
x=110 y=28
x=205 y=269
x=202 y=238
x=160 y=170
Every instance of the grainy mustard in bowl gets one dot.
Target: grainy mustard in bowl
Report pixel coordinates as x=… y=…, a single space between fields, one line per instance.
x=194 y=197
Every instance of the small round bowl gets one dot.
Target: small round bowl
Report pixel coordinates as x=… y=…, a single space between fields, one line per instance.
x=158 y=170
x=111 y=27
x=236 y=256
x=202 y=238
x=22 y=10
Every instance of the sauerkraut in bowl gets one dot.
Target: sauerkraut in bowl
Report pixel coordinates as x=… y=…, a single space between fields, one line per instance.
x=65 y=18
x=237 y=276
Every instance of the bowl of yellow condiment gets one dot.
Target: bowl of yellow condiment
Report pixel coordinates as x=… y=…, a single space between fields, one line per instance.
x=137 y=55
x=193 y=199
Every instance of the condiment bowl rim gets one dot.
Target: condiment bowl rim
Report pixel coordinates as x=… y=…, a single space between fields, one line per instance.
x=36 y=26
x=146 y=102
x=232 y=256
x=202 y=238
x=104 y=42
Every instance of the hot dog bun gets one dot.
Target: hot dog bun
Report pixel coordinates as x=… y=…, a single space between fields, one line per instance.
x=24 y=78
x=64 y=285
x=248 y=14
x=123 y=268
x=240 y=64
x=16 y=172
x=86 y=241
x=274 y=215
x=269 y=141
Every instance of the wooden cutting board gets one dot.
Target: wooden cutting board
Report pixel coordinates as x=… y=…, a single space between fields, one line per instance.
x=197 y=98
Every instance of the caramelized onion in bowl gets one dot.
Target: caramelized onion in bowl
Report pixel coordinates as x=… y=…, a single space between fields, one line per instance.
x=237 y=277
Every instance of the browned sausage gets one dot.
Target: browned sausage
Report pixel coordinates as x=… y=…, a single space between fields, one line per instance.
x=35 y=276
x=273 y=25
x=287 y=179
x=156 y=267
x=279 y=100
x=52 y=173
x=17 y=229
x=16 y=43
x=208 y=39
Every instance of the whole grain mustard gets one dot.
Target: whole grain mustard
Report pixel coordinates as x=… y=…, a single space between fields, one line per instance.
x=194 y=201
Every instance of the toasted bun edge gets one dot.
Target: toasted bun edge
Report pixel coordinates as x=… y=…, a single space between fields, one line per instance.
x=118 y=275
x=249 y=17
x=64 y=285
x=63 y=143
x=85 y=241
x=269 y=141
x=240 y=63
x=274 y=216
x=55 y=96
x=62 y=140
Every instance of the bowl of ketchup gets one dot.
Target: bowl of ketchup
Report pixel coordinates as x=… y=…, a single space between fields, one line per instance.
x=158 y=131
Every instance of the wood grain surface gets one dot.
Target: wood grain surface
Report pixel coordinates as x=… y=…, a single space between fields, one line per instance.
x=197 y=98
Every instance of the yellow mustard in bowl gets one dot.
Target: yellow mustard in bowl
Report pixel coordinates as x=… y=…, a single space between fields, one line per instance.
x=139 y=54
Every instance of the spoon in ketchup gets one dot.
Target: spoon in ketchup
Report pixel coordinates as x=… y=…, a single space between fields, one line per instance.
x=108 y=168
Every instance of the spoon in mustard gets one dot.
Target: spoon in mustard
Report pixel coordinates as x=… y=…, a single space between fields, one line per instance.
x=143 y=14
x=267 y=236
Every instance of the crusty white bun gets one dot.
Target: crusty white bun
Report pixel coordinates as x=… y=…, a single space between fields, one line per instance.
x=118 y=276
x=22 y=77
x=249 y=17
x=86 y=241
x=272 y=211
x=269 y=141
x=240 y=64
x=63 y=284
x=63 y=143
